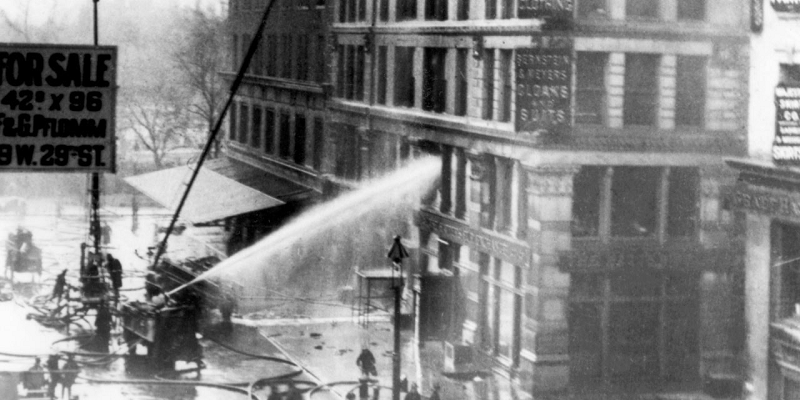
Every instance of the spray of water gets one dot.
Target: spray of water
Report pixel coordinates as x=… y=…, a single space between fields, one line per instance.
x=410 y=181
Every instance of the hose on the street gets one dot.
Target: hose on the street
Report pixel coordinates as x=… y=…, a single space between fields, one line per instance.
x=169 y=382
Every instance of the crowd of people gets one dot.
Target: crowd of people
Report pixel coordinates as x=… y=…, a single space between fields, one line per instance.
x=51 y=375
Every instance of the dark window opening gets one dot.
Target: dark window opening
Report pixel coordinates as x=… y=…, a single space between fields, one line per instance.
x=244 y=117
x=634 y=201
x=590 y=88
x=287 y=56
x=462 y=10
x=341 y=74
x=506 y=66
x=789 y=280
x=406 y=10
x=404 y=77
x=381 y=72
x=272 y=55
x=434 y=84
x=269 y=131
x=641 y=89
x=299 y=139
x=362 y=10
x=245 y=46
x=491 y=9
x=285 y=144
x=436 y=10
x=255 y=140
x=508 y=9
x=587 y=188
x=235 y=55
x=682 y=207
x=358 y=78
x=319 y=136
x=302 y=57
x=488 y=84
x=232 y=122
x=790 y=74
x=320 y=57
x=462 y=83
x=690 y=91
x=383 y=11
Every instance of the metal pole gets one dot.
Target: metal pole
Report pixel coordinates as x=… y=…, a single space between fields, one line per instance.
x=398 y=290
x=94 y=217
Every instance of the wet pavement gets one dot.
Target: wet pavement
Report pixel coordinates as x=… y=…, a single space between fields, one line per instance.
x=234 y=358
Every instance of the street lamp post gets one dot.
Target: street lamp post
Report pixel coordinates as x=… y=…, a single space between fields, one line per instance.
x=397 y=253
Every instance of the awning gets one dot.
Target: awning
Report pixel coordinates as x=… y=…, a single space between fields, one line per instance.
x=259 y=179
x=213 y=195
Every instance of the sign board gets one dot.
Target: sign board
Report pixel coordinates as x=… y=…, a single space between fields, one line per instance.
x=786 y=147
x=544 y=86
x=545 y=9
x=792 y=6
x=57 y=107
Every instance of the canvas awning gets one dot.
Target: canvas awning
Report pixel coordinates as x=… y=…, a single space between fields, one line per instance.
x=213 y=195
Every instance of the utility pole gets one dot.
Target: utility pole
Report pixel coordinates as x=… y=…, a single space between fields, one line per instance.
x=94 y=213
x=397 y=253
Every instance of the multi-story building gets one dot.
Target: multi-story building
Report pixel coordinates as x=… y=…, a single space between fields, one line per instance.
x=276 y=123
x=768 y=193
x=579 y=208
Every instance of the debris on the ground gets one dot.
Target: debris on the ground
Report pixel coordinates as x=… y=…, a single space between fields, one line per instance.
x=315 y=335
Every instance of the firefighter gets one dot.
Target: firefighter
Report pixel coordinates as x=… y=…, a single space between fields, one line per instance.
x=55 y=377
x=366 y=361
x=61 y=284
x=34 y=379
x=115 y=272
x=71 y=370
x=102 y=324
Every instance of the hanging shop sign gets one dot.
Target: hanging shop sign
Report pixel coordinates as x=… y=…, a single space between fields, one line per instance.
x=786 y=147
x=544 y=86
x=792 y=6
x=57 y=107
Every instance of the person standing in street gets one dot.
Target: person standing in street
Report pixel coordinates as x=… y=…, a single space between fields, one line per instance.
x=68 y=376
x=115 y=272
x=58 y=288
x=366 y=361
x=55 y=376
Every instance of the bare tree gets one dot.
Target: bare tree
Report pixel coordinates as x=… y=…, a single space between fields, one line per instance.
x=199 y=55
x=158 y=115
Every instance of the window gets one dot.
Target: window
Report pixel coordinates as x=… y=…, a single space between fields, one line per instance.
x=790 y=74
x=358 y=77
x=299 y=139
x=461 y=82
x=591 y=8
x=634 y=201
x=789 y=279
x=590 y=88
x=436 y=10
x=502 y=203
x=245 y=47
x=682 y=199
x=381 y=74
x=491 y=9
x=404 y=77
x=692 y=9
x=641 y=89
x=586 y=197
x=351 y=72
x=383 y=13
x=256 y=61
x=269 y=131
x=232 y=121
x=272 y=55
x=406 y=9
x=462 y=10
x=243 y=123
x=343 y=10
x=255 y=129
x=505 y=85
x=320 y=57
x=434 y=84
x=302 y=57
x=235 y=55
x=287 y=56
x=341 y=74
x=319 y=136
x=320 y=3
x=482 y=190
x=362 y=10
x=690 y=91
x=285 y=144
x=642 y=8
x=488 y=84
x=507 y=11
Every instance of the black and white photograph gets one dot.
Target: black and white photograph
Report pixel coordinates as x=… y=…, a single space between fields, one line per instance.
x=400 y=199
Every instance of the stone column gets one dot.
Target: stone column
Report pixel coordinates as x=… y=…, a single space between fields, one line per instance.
x=544 y=361
x=757 y=306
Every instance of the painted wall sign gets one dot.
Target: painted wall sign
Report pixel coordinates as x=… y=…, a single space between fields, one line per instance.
x=792 y=6
x=57 y=107
x=772 y=203
x=786 y=147
x=544 y=86
x=514 y=253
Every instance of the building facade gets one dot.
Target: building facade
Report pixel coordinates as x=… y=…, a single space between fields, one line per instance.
x=277 y=120
x=767 y=193
x=579 y=213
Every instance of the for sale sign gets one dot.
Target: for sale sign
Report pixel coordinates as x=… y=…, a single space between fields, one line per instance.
x=57 y=107
x=786 y=148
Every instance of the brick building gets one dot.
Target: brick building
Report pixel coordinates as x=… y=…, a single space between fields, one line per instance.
x=276 y=123
x=767 y=193
x=578 y=219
